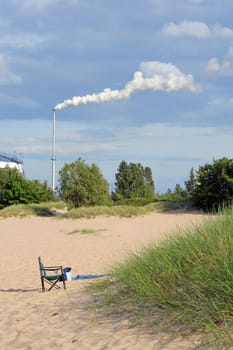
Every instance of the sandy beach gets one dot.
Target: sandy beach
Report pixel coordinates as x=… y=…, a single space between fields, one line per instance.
x=62 y=319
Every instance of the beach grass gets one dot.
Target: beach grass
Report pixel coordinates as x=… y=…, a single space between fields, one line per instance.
x=85 y=231
x=183 y=284
x=59 y=208
x=22 y=210
x=92 y=212
x=124 y=210
x=34 y=209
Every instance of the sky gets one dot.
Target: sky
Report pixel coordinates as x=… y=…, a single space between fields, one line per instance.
x=147 y=82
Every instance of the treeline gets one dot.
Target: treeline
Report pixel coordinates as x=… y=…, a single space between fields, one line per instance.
x=80 y=184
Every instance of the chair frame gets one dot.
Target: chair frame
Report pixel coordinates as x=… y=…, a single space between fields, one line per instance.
x=51 y=275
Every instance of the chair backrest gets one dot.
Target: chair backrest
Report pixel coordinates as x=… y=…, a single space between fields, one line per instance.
x=42 y=268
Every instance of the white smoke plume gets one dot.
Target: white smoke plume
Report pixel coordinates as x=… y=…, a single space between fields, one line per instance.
x=154 y=75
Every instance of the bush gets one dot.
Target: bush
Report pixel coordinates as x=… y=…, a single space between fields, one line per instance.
x=137 y=202
x=213 y=185
x=83 y=185
x=15 y=189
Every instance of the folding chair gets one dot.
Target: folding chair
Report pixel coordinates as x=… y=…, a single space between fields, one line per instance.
x=51 y=275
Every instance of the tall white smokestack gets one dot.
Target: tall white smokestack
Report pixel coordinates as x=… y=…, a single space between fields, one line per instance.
x=53 y=158
x=154 y=75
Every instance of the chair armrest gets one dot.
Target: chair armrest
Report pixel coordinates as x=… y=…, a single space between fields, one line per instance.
x=52 y=268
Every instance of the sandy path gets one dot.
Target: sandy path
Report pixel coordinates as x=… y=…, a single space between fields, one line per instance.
x=30 y=319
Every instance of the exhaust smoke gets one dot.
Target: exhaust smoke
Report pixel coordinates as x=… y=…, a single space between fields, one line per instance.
x=153 y=75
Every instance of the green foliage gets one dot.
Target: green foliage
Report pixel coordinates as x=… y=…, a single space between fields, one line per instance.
x=32 y=209
x=190 y=184
x=133 y=181
x=39 y=192
x=23 y=210
x=137 y=202
x=83 y=185
x=212 y=186
x=121 y=211
x=15 y=189
x=179 y=194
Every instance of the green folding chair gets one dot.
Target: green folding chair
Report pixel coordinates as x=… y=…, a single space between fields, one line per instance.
x=51 y=275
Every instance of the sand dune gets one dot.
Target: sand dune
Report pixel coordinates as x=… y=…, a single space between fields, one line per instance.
x=31 y=319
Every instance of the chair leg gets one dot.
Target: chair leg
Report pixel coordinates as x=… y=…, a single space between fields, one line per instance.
x=42 y=283
x=54 y=285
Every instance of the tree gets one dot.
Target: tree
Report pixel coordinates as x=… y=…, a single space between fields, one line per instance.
x=213 y=185
x=12 y=187
x=82 y=185
x=190 y=184
x=15 y=189
x=133 y=181
x=149 y=183
x=179 y=192
x=39 y=191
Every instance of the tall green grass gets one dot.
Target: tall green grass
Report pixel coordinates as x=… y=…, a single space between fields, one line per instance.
x=56 y=208
x=124 y=210
x=23 y=210
x=185 y=282
x=91 y=212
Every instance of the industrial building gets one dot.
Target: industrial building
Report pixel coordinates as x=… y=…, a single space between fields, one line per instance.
x=12 y=161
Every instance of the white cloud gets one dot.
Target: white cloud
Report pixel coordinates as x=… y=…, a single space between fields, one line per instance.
x=34 y=7
x=186 y=28
x=198 y=30
x=229 y=56
x=6 y=75
x=22 y=40
x=4 y=23
x=158 y=145
x=198 y=1
x=222 y=32
x=220 y=101
x=213 y=65
x=17 y=101
x=86 y=148
x=151 y=68
x=29 y=147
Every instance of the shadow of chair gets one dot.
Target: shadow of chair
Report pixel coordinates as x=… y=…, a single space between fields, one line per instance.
x=51 y=275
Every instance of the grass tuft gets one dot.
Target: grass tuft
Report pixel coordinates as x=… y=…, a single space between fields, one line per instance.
x=22 y=210
x=84 y=231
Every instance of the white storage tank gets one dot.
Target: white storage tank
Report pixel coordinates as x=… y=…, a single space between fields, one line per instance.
x=12 y=161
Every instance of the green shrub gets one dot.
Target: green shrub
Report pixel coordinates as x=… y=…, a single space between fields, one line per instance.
x=137 y=202
x=212 y=186
x=83 y=185
x=15 y=189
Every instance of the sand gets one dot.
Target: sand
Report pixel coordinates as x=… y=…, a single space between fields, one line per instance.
x=30 y=319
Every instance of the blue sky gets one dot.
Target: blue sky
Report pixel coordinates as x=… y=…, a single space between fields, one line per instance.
x=173 y=114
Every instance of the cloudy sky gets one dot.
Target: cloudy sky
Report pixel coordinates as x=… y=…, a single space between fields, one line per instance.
x=142 y=81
